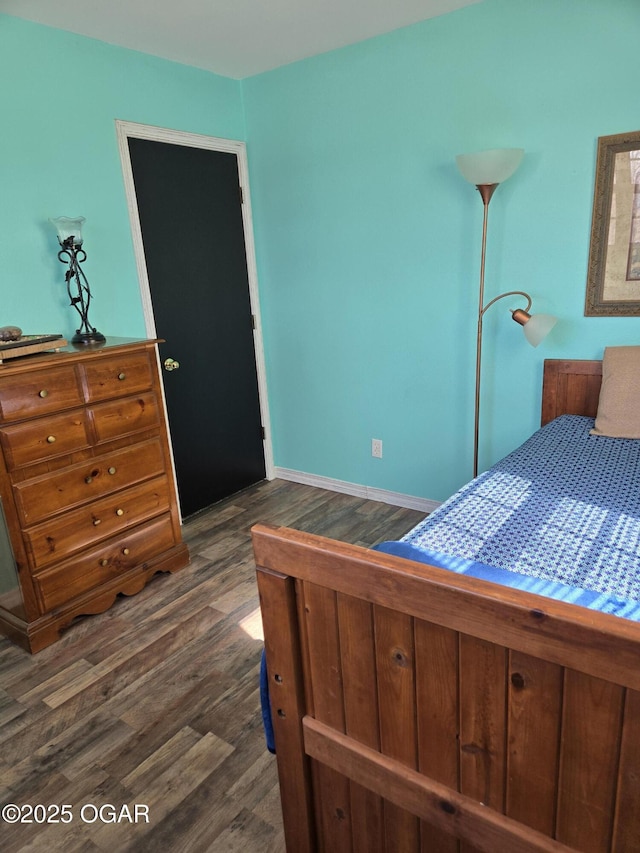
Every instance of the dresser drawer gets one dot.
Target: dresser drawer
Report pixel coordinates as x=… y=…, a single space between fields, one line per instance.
x=117 y=376
x=81 y=528
x=120 y=417
x=39 y=392
x=47 y=494
x=44 y=438
x=57 y=586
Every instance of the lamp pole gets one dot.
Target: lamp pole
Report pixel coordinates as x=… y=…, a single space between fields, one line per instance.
x=486 y=191
x=520 y=315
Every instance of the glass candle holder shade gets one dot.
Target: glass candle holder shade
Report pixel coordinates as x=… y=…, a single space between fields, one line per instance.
x=69 y=227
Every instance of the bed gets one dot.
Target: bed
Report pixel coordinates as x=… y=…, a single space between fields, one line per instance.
x=416 y=708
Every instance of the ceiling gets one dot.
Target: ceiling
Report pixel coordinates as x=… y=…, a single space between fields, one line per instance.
x=235 y=38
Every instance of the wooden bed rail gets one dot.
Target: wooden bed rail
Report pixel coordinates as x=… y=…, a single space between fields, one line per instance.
x=419 y=710
x=408 y=789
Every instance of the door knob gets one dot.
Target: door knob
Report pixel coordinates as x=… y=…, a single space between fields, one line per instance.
x=170 y=364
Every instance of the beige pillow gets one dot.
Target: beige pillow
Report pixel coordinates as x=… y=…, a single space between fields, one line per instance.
x=619 y=403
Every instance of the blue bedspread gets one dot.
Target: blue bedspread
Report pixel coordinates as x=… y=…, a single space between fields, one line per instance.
x=560 y=516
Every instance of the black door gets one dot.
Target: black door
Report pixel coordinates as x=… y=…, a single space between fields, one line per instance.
x=190 y=212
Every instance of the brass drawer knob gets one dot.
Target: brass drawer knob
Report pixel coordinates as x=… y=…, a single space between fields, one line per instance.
x=125 y=551
x=111 y=470
x=96 y=522
x=43 y=393
x=51 y=439
x=122 y=376
x=88 y=479
x=104 y=562
x=119 y=511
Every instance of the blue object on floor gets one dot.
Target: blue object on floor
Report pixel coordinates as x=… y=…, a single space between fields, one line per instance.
x=266 y=707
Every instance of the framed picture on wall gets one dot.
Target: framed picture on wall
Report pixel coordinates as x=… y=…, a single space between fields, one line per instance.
x=613 y=277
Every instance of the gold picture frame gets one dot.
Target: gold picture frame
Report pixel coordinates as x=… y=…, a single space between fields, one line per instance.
x=613 y=276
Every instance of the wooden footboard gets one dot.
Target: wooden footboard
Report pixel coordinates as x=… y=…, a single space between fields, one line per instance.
x=419 y=710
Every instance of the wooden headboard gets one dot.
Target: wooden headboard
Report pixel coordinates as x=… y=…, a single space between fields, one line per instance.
x=570 y=388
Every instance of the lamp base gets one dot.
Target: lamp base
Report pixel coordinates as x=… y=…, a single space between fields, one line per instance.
x=88 y=338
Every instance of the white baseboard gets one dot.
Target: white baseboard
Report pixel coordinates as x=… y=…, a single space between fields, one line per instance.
x=367 y=492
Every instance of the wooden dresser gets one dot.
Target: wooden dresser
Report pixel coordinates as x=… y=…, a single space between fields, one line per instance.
x=86 y=485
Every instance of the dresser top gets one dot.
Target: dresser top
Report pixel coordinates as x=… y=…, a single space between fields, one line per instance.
x=73 y=352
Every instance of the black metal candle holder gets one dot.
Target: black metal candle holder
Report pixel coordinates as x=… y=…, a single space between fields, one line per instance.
x=78 y=288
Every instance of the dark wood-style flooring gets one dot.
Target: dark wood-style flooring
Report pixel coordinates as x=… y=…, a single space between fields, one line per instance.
x=156 y=701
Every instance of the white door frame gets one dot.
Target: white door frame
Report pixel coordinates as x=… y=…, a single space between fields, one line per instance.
x=126 y=129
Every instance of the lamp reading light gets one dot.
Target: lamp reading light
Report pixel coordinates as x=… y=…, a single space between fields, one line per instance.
x=536 y=327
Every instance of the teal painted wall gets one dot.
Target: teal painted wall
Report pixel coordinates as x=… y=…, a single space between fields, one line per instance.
x=59 y=98
x=368 y=239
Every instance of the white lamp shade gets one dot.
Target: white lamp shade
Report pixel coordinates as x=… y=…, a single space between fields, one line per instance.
x=69 y=226
x=490 y=167
x=538 y=327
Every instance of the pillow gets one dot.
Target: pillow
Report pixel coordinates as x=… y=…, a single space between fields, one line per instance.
x=619 y=403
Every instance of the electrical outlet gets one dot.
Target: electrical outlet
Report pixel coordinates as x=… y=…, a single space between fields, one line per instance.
x=376 y=448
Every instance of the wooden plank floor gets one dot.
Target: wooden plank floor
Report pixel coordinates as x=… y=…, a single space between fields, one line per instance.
x=156 y=701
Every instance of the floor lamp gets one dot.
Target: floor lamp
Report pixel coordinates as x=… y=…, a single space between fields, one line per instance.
x=488 y=169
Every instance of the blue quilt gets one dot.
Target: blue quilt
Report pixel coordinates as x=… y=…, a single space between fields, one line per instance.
x=560 y=516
